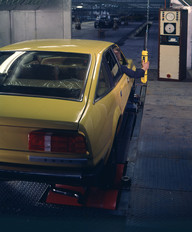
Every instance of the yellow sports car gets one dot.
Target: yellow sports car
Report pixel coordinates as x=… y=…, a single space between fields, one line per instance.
x=61 y=104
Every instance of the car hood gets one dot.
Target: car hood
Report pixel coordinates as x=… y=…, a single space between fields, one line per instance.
x=40 y=112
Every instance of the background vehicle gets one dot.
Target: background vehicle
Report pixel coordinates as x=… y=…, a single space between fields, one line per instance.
x=116 y=18
x=61 y=105
x=104 y=21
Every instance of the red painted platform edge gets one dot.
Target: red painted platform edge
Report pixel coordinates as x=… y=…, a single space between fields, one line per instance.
x=56 y=198
x=94 y=197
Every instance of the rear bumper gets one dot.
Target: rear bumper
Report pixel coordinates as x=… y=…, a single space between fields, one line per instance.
x=50 y=175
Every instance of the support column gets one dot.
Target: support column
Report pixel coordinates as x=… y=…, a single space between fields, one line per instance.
x=67 y=22
x=189 y=38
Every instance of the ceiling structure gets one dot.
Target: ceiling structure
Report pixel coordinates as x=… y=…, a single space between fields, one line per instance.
x=186 y=2
x=36 y=4
x=122 y=7
x=28 y=4
x=89 y=7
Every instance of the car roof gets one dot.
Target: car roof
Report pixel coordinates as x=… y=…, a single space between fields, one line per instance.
x=63 y=45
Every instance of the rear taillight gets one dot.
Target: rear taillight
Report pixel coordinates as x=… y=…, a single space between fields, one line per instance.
x=57 y=142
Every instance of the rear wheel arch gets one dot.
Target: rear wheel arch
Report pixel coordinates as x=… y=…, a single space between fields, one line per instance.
x=117 y=119
x=109 y=172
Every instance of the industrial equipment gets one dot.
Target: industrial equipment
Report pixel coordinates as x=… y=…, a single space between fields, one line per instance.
x=172 y=44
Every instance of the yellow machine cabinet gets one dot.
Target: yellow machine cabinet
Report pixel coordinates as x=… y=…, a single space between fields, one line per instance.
x=172 y=44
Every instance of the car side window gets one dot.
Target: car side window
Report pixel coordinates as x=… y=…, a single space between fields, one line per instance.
x=113 y=65
x=122 y=61
x=103 y=85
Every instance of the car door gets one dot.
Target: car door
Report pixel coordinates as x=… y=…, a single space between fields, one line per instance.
x=107 y=100
x=121 y=83
x=102 y=113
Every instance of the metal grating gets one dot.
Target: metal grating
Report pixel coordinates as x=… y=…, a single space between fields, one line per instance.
x=163 y=173
x=176 y=147
x=159 y=205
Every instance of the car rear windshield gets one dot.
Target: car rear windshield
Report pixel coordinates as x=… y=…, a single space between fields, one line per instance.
x=47 y=74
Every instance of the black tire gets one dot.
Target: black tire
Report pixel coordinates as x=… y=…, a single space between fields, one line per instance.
x=109 y=172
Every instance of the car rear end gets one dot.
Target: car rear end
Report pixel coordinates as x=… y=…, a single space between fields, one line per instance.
x=42 y=97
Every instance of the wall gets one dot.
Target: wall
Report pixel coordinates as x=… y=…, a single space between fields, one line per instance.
x=189 y=41
x=189 y=32
x=19 y=25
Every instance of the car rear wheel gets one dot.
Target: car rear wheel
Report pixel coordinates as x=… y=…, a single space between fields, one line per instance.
x=108 y=174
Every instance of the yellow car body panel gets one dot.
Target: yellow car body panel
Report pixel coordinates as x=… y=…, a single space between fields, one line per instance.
x=96 y=120
x=42 y=109
x=67 y=45
x=101 y=118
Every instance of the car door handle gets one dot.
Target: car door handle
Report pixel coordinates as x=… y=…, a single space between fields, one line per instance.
x=128 y=79
x=121 y=93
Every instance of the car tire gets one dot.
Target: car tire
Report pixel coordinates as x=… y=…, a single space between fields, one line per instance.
x=108 y=174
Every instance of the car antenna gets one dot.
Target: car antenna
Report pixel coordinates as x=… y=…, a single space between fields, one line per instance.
x=145 y=52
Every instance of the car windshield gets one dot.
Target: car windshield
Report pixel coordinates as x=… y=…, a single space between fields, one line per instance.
x=47 y=74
